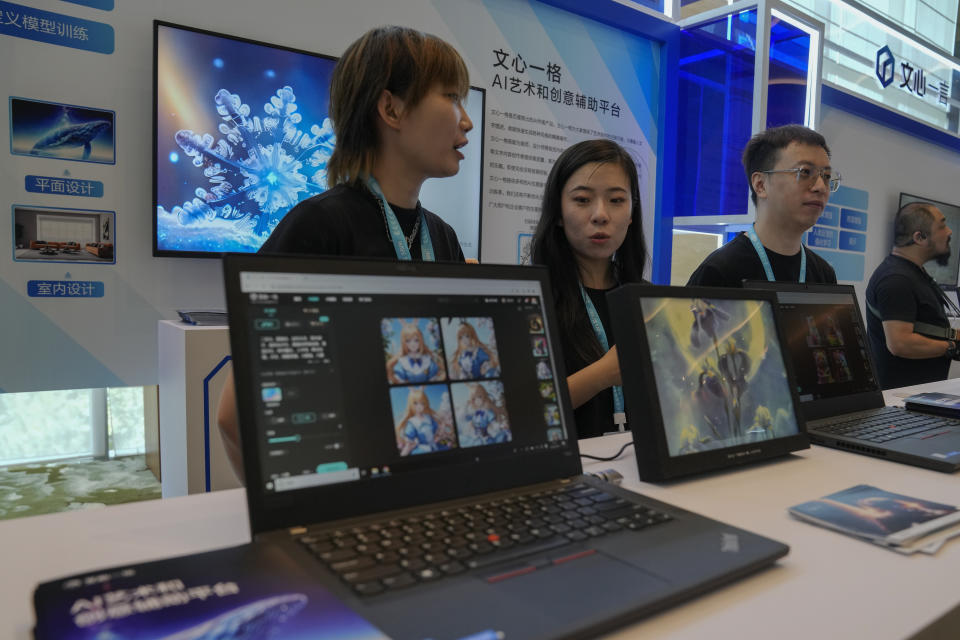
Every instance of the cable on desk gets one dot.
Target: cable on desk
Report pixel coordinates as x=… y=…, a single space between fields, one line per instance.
x=613 y=457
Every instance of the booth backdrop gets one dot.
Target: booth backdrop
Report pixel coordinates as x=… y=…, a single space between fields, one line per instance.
x=551 y=78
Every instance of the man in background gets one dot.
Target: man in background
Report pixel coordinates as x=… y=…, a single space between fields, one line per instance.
x=790 y=178
x=908 y=329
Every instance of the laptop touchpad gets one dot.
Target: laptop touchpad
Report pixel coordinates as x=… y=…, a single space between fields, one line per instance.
x=593 y=582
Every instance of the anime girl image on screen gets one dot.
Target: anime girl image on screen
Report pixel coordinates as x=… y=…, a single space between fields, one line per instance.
x=412 y=350
x=471 y=348
x=423 y=422
x=480 y=413
x=840 y=366
x=547 y=392
x=822 y=364
x=813 y=332
x=834 y=335
x=538 y=345
x=719 y=372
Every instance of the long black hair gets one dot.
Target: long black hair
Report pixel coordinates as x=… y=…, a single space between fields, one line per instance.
x=551 y=248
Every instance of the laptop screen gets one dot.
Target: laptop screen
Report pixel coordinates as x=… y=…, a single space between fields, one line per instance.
x=359 y=378
x=719 y=372
x=827 y=344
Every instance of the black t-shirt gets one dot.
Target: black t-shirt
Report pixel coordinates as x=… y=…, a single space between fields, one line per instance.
x=595 y=416
x=346 y=221
x=737 y=261
x=901 y=290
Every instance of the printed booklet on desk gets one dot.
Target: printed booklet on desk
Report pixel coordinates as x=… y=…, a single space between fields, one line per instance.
x=244 y=592
x=941 y=404
x=203 y=317
x=895 y=521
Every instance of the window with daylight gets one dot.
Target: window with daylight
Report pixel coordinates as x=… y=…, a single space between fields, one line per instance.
x=52 y=425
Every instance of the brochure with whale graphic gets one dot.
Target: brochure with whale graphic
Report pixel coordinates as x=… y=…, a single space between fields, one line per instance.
x=902 y=523
x=238 y=593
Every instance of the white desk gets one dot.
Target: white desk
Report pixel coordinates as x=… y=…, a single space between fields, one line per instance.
x=829 y=586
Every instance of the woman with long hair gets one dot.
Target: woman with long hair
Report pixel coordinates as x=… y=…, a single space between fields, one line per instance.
x=590 y=235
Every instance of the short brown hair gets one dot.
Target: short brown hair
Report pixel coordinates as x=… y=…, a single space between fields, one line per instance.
x=405 y=62
x=763 y=150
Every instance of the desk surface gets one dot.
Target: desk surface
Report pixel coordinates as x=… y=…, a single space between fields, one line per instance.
x=829 y=586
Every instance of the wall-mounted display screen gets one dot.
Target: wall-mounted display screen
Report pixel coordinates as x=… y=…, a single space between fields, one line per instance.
x=944 y=274
x=242 y=134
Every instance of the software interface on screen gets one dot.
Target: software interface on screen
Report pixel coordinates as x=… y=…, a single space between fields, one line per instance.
x=827 y=344
x=243 y=134
x=360 y=377
x=720 y=376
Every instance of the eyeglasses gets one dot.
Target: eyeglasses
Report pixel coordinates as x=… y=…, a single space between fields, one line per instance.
x=809 y=175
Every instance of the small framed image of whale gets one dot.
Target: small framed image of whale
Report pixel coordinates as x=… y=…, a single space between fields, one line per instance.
x=62 y=131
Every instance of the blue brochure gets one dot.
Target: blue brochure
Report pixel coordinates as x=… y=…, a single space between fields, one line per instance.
x=244 y=592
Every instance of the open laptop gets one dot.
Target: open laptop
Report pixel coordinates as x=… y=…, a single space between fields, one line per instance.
x=840 y=395
x=407 y=434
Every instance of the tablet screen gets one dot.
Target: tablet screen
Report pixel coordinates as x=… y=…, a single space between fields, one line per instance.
x=719 y=372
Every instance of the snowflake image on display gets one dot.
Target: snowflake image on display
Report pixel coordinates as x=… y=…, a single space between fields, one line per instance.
x=259 y=170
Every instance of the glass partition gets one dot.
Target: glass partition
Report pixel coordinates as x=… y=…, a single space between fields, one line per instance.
x=715 y=85
x=788 y=89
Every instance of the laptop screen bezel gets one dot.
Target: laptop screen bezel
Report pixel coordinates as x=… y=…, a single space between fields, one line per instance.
x=829 y=407
x=654 y=461
x=273 y=510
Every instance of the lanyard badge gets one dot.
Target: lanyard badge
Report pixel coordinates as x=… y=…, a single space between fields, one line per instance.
x=619 y=413
x=765 y=261
x=396 y=233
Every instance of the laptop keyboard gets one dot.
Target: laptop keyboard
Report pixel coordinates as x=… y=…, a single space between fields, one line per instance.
x=402 y=552
x=889 y=423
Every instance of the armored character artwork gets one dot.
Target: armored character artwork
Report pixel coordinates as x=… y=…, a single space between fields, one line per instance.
x=691 y=441
x=734 y=365
x=762 y=427
x=718 y=371
x=706 y=317
x=710 y=400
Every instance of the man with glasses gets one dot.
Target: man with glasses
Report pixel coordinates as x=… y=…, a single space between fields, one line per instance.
x=908 y=329
x=790 y=178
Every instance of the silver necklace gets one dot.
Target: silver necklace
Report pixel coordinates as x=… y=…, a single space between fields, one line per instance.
x=416 y=225
x=413 y=233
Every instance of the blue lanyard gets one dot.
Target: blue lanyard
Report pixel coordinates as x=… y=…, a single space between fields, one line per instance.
x=619 y=415
x=765 y=261
x=396 y=233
